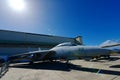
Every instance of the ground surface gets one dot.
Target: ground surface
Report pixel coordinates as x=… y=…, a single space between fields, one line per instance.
x=77 y=70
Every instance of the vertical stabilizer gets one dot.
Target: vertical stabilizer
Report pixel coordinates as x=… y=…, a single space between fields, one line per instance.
x=78 y=40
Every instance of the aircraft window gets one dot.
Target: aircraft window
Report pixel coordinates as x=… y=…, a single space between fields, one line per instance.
x=66 y=44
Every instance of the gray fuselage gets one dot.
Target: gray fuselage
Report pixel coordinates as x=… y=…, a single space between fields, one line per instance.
x=75 y=52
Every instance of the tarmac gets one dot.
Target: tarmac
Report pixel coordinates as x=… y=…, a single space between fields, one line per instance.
x=103 y=69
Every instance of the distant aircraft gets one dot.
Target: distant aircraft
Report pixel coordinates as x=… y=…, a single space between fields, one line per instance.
x=66 y=51
x=113 y=45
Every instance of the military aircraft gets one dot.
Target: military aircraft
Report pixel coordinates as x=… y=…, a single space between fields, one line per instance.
x=65 y=51
x=113 y=45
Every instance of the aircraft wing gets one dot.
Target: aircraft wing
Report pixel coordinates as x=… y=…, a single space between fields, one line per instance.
x=114 y=48
x=110 y=45
x=34 y=55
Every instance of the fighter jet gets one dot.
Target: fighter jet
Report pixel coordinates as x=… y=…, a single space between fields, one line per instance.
x=64 y=51
x=113 y=45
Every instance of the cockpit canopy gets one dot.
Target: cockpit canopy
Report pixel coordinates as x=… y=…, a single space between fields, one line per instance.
x=66 y=44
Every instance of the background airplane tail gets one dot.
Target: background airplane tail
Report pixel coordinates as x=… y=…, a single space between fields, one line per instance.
x=113 y=45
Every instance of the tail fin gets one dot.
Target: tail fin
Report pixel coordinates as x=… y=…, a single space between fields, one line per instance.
x=113 y=45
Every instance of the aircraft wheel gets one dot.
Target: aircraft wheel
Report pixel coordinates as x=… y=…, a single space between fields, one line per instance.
x=51 y=60
x=108 y=56
x=67 y=61
x=31 y=63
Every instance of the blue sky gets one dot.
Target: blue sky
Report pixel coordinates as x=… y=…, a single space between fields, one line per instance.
x=94 y=20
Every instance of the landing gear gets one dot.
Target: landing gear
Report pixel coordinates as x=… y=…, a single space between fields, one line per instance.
x=51 y=60
x=67 y=64
x=108 y=56
x=31 y=63
x=67 y=61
